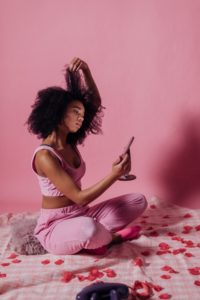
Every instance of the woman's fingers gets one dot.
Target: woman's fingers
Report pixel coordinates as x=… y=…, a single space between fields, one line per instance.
x=77 y=64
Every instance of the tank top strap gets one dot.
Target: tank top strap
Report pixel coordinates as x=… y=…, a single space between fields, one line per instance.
x=45 y=147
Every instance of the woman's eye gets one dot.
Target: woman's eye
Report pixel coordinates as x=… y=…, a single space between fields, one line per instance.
x=76 y=112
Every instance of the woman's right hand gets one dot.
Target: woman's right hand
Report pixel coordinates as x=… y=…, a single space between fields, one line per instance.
x=121 y=166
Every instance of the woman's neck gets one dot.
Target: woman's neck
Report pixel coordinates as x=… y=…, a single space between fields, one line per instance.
x=56 y=140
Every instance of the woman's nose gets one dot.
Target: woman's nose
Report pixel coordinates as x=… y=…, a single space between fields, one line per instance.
x=80 y=118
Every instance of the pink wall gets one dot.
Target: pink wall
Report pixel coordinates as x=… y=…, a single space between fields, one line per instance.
x=145 y=57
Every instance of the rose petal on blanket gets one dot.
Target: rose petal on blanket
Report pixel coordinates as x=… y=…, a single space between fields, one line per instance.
x=145 y=253
x=171 y=233
x=90 y=277
x=165 y=276
x=161 y=252
x=45 y=262
x=138 y=261
x=95 y=272
x=165 y=296
x=156 y=288
x=59 y=262
x=110 y=273
x=197 y=282
x=16 y=261
x=166 y=268
x=197 y=228
x=189 y=244
x=2 y=275
x=154 y=234
x=169 y=269
x=177 y=251
x=187 y=215
x=143 y=290
x=177 y=238
x=5 y=264
x=164 y=246
x=194 y=271
x=153 y=206
x=12 y=256
x=166 y=217
x=81 y=277
x=188 y=254
x=67 y=276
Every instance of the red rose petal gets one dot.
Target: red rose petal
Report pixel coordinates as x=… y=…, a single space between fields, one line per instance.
x=81 y=277
x=59 y=262
x=187 y=216
x=177 y=238
x=197 y=228
x=165 y=296
x=16 y=261
x=177 y=251
x=188 y=227
x=163 y=252
x=138 y=262
x=67 y=276
x=157 y=288
x=166 y=268
x=45 y=262
x=171 y=233
x=164 y=246
x=189 y=244
x=188 y=254
x=5 y=264
x=95 y=272
x=91 y=277
x=12 y=256
x=197 y=282
x=2 y=275
x=169 y=269
x=194 y=271
x=166 y=217
x=154 y=234
x=145 y=253
x=110 y=273
x=165 y=276
x=152 y=206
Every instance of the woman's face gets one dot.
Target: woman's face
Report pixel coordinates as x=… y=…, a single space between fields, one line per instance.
x=74 y=116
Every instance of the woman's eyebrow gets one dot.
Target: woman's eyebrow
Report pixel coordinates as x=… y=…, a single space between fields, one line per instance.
x=79 y=108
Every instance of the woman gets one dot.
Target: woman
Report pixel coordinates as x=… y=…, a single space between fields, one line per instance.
x=62 y=119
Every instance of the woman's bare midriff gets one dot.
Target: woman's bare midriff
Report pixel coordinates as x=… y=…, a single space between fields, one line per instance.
x=55 y=202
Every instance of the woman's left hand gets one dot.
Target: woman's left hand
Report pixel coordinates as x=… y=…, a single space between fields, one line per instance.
x=77 y=64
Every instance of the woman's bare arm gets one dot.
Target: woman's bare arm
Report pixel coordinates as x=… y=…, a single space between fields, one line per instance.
x=80 y=68
x=50 y=166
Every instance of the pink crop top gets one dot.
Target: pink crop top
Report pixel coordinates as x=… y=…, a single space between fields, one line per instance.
x=46 y=186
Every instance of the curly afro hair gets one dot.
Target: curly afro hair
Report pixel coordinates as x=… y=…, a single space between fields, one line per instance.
x=50 y=106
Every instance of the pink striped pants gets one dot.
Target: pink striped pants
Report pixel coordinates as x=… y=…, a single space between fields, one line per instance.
x=72 y=228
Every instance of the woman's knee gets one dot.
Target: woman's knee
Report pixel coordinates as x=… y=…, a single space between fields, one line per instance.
x=88 y=229
x=143 y=201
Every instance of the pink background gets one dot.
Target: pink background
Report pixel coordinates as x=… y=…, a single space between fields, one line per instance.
x=145 y=58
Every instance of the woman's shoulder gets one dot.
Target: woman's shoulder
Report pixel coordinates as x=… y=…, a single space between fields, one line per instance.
x=45 y=153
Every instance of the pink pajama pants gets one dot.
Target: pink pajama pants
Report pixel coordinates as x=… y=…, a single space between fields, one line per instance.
x=72 y=228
